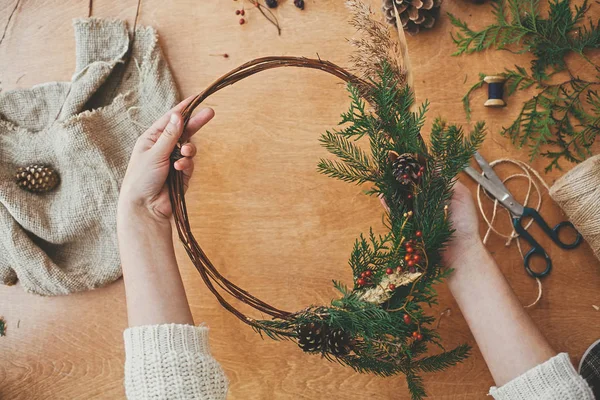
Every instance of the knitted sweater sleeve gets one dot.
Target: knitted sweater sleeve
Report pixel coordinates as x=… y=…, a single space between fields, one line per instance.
x=556 y=379
x=171 y=362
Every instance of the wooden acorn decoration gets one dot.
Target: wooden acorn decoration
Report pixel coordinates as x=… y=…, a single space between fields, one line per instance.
x=37 y=178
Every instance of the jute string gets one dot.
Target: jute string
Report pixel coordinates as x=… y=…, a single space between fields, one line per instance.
x=532 y=186
x=578 y=194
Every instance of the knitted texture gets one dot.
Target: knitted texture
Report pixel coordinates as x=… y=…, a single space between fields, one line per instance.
x=171 y=362
x=65 y=240
x=556 y=379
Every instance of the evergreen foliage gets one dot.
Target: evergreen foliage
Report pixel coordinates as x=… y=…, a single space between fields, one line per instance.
x=382 y=341
x=562 y=120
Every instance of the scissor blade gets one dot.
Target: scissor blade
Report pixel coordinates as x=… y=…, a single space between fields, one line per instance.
x=499 y=192
x=488 y=170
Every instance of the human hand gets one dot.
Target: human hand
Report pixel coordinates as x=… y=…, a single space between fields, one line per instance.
x=144 y=189
x=463 y=216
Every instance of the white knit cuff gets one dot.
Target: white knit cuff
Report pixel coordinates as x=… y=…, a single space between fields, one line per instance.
x=556 y=379
x=171 y=362
x=161 y=339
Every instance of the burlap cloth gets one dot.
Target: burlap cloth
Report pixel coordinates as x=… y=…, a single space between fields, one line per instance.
x=65 y=241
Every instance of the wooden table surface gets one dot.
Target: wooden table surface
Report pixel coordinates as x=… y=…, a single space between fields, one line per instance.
x=259 y=208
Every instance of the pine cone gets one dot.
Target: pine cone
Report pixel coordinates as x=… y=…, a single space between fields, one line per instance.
x=37 y=178
x=405 y=168
x=414 y=14
x=311 y=337
x=338 y=342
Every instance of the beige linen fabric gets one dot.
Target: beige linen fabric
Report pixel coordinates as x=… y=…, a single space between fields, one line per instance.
x=65 y=241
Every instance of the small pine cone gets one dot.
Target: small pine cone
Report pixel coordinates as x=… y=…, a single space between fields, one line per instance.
x=414 y=14
x=311 y=337
x=338 y=342
x=406 y=169
x=299 y=4
x=37 y=178
x=271 y=3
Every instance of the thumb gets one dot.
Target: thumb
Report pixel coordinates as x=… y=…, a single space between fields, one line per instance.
x=170 y=135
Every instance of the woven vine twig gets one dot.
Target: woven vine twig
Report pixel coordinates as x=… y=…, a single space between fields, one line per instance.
x=209 y=273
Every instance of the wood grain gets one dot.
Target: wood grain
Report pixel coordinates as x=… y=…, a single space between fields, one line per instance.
x=260 y=210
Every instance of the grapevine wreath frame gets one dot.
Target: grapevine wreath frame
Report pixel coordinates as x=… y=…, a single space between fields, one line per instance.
x=379 y=325
x=200 y=260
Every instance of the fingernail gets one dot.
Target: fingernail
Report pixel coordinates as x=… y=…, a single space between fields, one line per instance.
x=174 y=118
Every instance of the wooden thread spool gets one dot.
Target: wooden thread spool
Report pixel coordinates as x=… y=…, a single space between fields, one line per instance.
x=495 y=91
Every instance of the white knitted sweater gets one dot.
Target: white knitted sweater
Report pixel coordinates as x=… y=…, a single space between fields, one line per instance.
x=173 y=362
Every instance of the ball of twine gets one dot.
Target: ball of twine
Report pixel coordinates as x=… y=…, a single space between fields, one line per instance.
x=578 y=194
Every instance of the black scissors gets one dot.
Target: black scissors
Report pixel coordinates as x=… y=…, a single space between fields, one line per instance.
x=490 y=182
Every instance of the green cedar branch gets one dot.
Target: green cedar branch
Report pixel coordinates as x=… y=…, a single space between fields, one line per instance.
x=560 y=122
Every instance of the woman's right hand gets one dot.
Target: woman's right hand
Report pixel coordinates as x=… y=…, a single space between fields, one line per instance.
x=465 y=222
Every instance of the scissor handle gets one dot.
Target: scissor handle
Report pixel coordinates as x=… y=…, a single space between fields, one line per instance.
x=553 y=232
x=556 y=238
x=536 y=248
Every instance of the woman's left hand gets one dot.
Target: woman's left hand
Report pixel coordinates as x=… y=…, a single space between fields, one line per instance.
x=144 y=187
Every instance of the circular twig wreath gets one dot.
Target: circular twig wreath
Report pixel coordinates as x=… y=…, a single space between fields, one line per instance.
x=200 y=260
x=379 y=325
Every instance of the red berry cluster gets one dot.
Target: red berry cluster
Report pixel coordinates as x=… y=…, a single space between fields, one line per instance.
x=416 y=334
x=242 y=13
x=365 y=278
x=412 y=257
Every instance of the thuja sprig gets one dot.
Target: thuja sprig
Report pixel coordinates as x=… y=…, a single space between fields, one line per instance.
x=561 y=121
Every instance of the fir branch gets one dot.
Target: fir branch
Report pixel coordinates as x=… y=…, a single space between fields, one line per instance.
x=347 y=151
x=383 y=343
x=415 y=386
x=344 y=172
x=440 y=362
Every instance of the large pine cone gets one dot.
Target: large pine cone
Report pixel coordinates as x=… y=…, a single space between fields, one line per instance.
x=414 y=14
x=311 y=337
x=37 y=178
